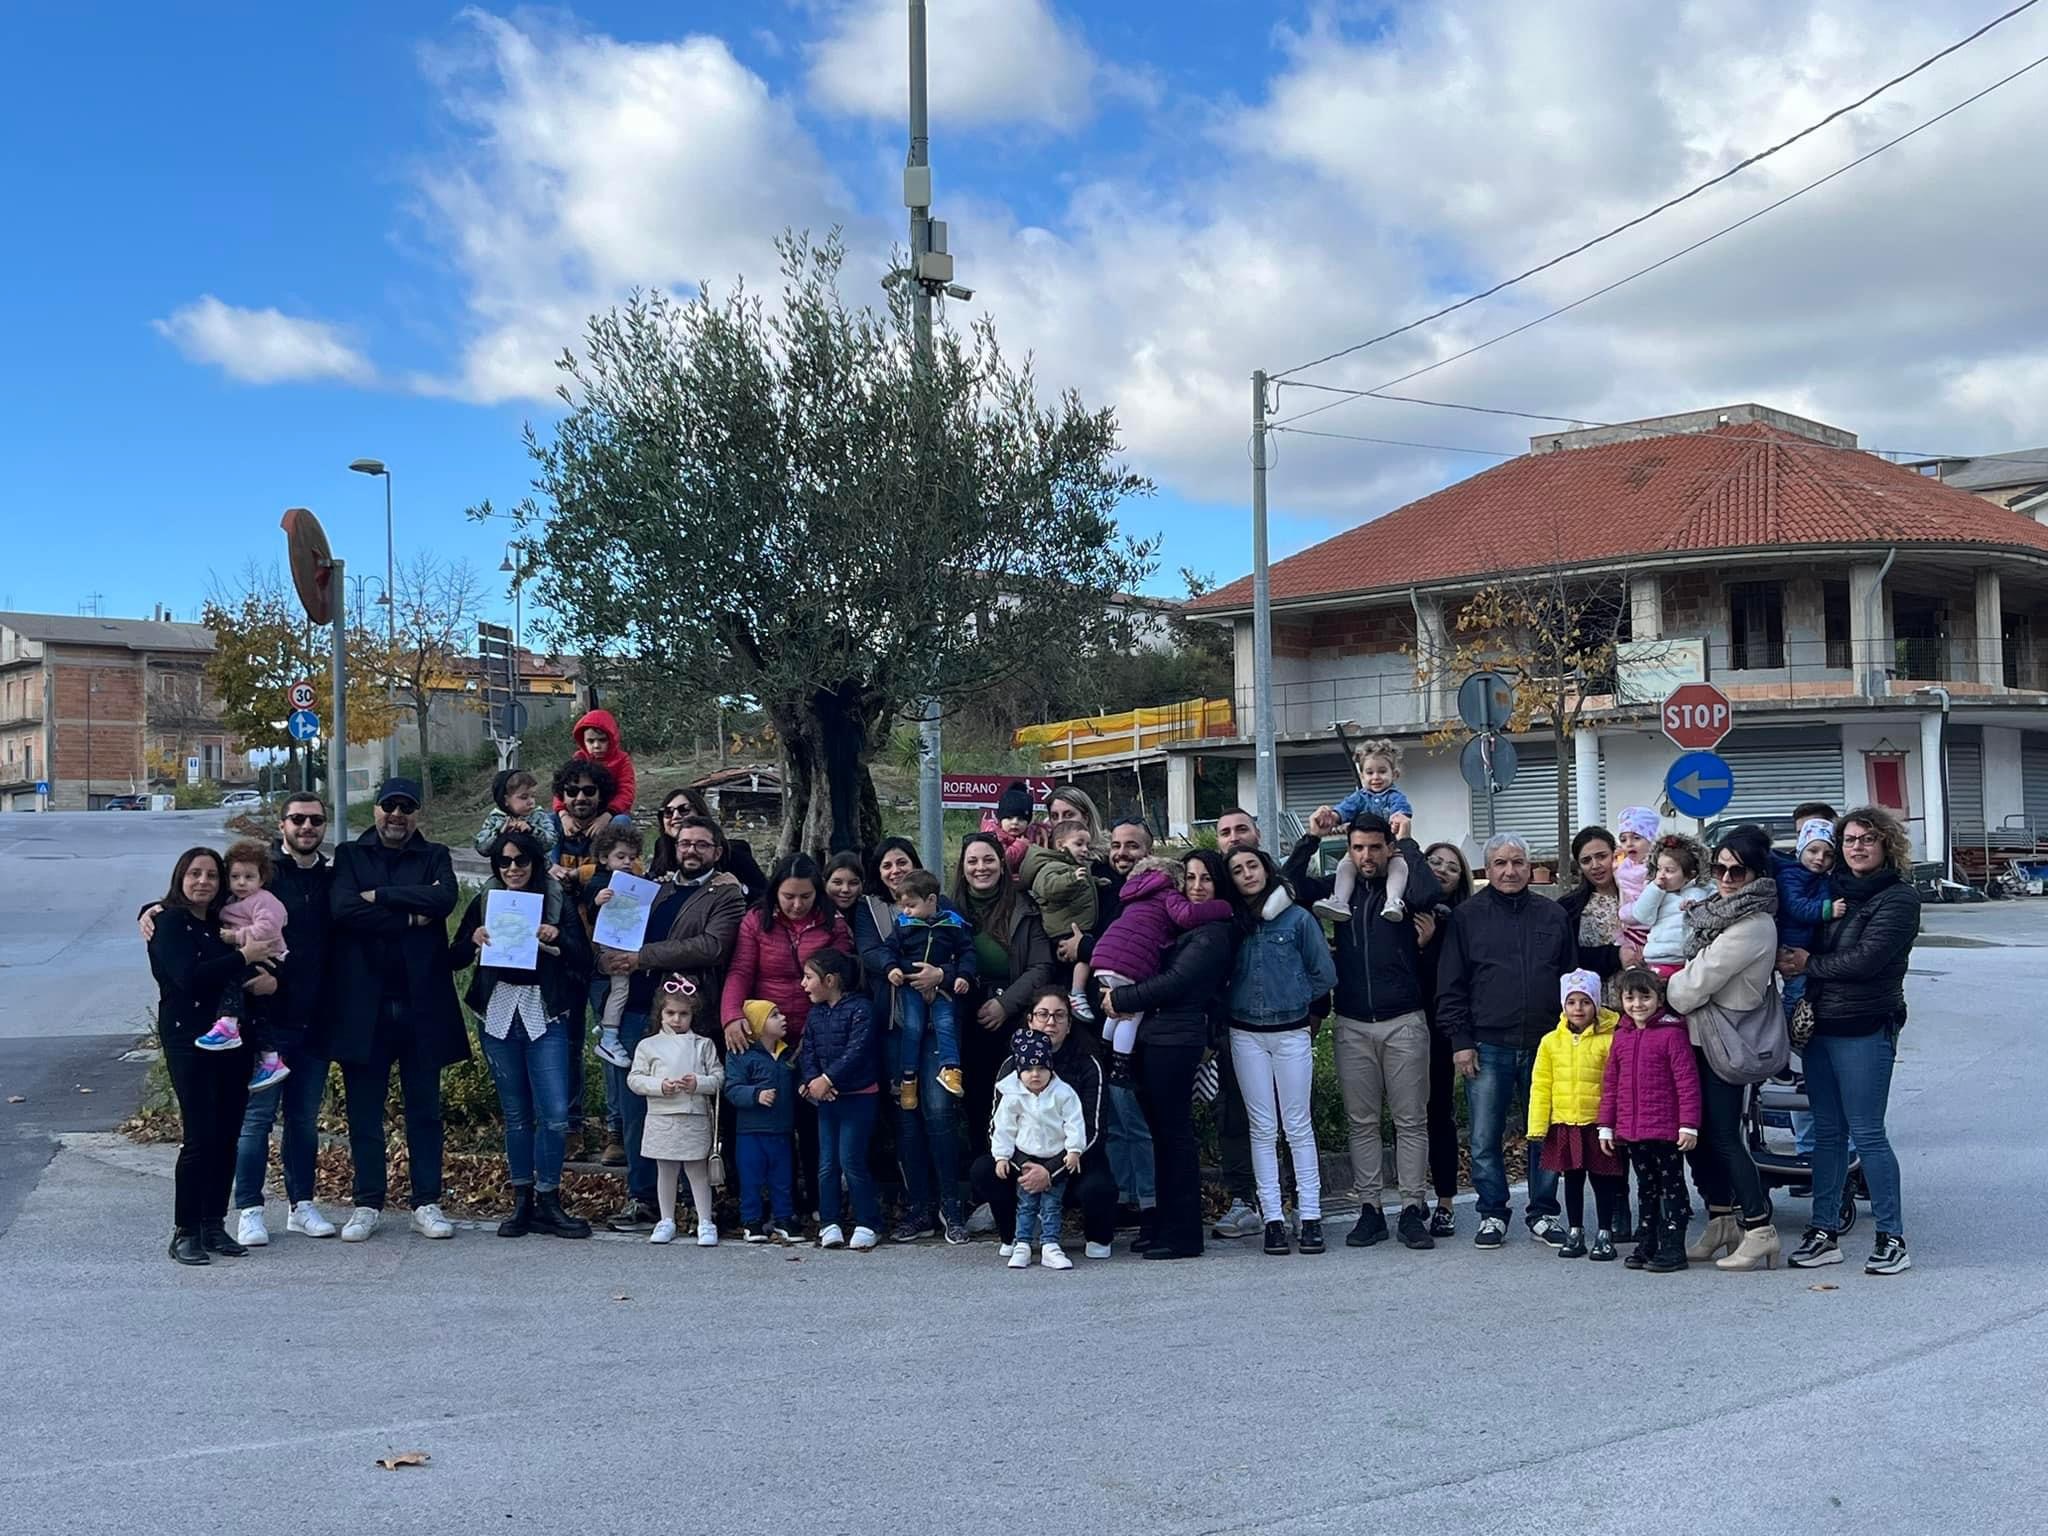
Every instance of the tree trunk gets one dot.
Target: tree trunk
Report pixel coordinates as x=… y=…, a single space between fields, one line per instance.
x=419 y=714
x=828 y=796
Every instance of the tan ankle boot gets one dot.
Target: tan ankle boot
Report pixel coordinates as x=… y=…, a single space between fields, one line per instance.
x=1758 y=1249
x=1721 y=1231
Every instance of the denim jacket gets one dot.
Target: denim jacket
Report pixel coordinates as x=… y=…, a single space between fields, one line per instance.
x=1281 y=967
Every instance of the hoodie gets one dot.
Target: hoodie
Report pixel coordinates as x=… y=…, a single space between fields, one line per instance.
x=1037 y=1125
x=614 y=760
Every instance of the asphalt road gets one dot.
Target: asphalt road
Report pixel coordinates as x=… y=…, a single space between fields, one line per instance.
x=611 y=1386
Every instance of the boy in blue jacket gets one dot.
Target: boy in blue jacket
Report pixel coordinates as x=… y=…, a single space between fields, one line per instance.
x=927 y=932
x=760 y=1084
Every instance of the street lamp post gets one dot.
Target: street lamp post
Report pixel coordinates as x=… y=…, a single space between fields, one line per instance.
x=377 y=467
x=516 y=569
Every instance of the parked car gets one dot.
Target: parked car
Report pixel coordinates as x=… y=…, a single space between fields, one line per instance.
x=1782 y=830
x=241 y=800
x=126 y=803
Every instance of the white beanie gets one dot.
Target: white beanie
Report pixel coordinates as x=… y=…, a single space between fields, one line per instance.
x=1578 y=981
x=1816 y=829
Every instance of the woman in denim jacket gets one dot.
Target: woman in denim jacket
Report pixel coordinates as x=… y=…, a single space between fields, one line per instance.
x=1283 y=965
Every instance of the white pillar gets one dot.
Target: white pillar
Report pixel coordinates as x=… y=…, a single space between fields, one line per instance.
x=1990 y=668
x=1433 y=647
x=1180 y=793
x=1248 y=785
x=1586 y=767
x=1869 y=629
x=1934 y=815
x=1646 y=607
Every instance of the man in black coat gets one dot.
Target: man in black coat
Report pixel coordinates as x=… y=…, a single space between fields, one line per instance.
x=394 y=1001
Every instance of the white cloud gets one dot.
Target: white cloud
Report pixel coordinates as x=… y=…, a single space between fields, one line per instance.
x=262 y=346
x=990 y=61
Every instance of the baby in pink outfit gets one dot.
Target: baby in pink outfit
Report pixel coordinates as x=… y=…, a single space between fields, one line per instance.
x=251 y=913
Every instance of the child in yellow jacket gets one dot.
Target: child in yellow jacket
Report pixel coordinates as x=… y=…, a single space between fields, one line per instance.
x=1564 y=1113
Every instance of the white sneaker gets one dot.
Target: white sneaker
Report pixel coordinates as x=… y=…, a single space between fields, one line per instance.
x=664 y=1232
x=1098 y=1250
x=250 y=1231
x=1239 y=1221
x=306 y=1218
x=1019 y=1255
x=1395 y=912
x=1336 y=911
x=863 y=1239
x=707 y=1234
x=1052 y=1256
x=1004 y=1250
x=981 y=1220
x=748 y=1234
x=428 y=1221
x=362 y=1221
x=832 y=1237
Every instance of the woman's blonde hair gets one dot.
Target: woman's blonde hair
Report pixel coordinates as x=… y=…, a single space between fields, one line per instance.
x=1380 y=746
x=1897 y=851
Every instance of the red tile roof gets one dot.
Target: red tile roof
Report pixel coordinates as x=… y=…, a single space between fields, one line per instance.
x=1735 y=487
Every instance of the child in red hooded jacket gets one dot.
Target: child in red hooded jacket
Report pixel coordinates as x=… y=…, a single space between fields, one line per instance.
x=597 y=741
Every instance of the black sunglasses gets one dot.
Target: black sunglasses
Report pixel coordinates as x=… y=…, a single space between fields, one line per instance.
x=1732 y=871
x=298 y=820
x=515 y=861
x=580 y=792
x=398 y=807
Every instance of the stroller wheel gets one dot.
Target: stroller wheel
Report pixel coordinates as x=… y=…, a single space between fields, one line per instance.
x=1848 y=1215
x=1859 y=1186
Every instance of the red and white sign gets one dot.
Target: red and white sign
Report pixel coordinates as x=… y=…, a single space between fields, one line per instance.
x=980 y=792
x=1697 y=716
x=302 y=695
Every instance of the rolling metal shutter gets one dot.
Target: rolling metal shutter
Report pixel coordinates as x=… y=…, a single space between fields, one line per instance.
x=1529 y=805
x=1775 y=770
x=1309 y=782
x=2034 y=777
x=1965 y=783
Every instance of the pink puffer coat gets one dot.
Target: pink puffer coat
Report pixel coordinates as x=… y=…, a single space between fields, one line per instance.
x=1651 y=1090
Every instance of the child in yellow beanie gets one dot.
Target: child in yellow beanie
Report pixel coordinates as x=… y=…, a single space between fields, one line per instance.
x=760 y=1084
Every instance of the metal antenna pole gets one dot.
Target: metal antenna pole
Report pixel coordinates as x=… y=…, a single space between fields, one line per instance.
x=1262 y=625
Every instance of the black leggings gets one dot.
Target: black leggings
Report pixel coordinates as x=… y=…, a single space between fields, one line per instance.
x=1609 y=1190
x=1721 y=1164
x=1443 y=1117
x=1660 y=1181
x=1166 y=1082
x=212 y=1089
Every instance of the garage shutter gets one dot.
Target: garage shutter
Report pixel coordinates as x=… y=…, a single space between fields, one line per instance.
x=2034 y=777
x=1529 y=805
x=1309 y=782
x=1965 y=785
x=1775 y=770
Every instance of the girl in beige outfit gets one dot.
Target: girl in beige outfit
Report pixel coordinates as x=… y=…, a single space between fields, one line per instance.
x=679 y=1074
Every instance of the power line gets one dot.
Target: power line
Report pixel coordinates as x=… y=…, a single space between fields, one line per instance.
x=1669 y=203
x=1687 y=250
x=1395 y=442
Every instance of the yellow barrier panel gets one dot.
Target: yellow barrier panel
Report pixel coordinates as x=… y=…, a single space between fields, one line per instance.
x=1130 y=730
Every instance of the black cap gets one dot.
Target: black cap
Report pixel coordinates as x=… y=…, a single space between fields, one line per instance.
x=399 y=789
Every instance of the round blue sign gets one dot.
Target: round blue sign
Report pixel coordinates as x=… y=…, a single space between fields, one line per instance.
x=1700 y=784
x=303 y=725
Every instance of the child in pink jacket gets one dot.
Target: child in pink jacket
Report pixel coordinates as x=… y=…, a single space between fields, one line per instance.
x=251 y=912
x=1152 y=914
x=1650 y=1105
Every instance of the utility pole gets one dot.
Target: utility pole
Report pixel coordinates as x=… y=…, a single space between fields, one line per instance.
x=337 y=728
x=924 y=273
x=1262 y=625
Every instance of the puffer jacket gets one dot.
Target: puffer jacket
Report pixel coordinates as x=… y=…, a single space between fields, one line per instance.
x=1153 y=914
x=1651 y=1089
x=1804 y=898
x=1570 y=1069
x=614 y=760
x=1857 y=971
x=1066 y=892
x=842 y=1044
x=1661 y=915
x=1183 y=1003
x=768 y=961
x=1282 y=966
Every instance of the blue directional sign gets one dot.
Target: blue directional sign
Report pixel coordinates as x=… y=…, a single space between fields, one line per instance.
x=1700 y=784
x=42 y=786
x=304 y=725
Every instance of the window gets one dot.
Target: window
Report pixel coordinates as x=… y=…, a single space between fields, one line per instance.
x=1834 y=619
x=1756 y=625
x=210 y=761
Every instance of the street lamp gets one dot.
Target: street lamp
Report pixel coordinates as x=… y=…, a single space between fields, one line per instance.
x=515 y=569
x=377 y=467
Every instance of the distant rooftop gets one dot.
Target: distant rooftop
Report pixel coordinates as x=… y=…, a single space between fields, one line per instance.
x=130 y=634
x=1991 y=471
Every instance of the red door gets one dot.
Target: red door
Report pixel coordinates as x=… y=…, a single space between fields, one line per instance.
x=1888 y=783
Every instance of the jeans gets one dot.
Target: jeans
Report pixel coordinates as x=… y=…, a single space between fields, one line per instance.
x=1386 y=1062
x=1038 y=1215
x=632 y=1111
x=419 y=1087
x=928 y=1144
x=1166 y=1084
x=1275 y=1068
x=1093 y=1189
x=298 y=1096
x=1504 y=1074
x=767 y=1169
x=915 y=1016
x=1848 y=1082
x=844 y=1126
x=533 y=1095
x=1129 y=1143
x=212 y=1089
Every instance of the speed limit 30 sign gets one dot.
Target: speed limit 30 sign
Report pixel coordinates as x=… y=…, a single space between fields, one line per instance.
x=301 y=695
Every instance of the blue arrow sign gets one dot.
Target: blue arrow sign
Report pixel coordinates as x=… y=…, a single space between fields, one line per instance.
x=1700 y=784
x=304 y=725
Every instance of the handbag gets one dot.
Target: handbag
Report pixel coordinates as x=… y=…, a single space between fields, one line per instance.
x=716 y=1162
x=1745 y=1047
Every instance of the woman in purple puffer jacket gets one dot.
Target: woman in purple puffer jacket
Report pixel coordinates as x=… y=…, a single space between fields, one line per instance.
x=1152 y=913
x=1650 y=1104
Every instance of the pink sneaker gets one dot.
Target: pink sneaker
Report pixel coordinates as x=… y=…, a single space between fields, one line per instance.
x=225 y=1035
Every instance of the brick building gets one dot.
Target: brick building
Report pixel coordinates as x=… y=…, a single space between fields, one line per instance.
x=101 y=707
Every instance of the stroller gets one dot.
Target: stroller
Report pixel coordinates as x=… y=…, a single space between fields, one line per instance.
x=1767 y=1127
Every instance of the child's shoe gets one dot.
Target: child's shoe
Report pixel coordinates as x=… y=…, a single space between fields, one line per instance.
x=1020 y=1256
x=832 y=1237
x=1052 y=1256
x=1574 y=1244
x=225 y=1035
x=1335 y=910
x=906 y=1093
x=707 y=1234
x=270 y=1071
x=951 y=1080
x=664 y=1232
x=1395 y=911
x=748 y=1234
x=1077 y=1004
x=1603 y=1248
x=610 y=1051
x=1120 y=1073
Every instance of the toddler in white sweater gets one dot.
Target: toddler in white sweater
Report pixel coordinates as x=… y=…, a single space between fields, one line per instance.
x=1038 y=1120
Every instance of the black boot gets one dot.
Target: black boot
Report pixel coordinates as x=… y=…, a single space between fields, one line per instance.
x=1670 y=1255
x=549 y=1217
x=186 y=1247
x=1646 y=1238
x=214 y=1236
x=1623 y=1230
x=1148 y=1231
x=520 y=1222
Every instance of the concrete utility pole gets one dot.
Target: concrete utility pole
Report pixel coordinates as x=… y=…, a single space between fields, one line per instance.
x=337 y=728
x=917 y=194
x=1266 y=763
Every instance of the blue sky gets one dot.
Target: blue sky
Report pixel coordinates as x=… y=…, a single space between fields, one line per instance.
x=253 y=243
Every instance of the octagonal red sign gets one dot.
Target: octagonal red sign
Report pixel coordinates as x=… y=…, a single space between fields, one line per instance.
x=1697 y=716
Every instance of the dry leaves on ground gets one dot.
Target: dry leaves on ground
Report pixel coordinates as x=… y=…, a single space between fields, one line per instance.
x=399 y=1459
x=1825 y=1285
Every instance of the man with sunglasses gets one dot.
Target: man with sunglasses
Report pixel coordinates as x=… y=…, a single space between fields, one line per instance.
x=394 y=1001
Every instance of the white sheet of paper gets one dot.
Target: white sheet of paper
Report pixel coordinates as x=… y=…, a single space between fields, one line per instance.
x=622 y=921
x=512 y=918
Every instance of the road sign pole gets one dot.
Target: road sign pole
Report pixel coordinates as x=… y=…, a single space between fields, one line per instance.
x=1492 y=795
x=337 y=727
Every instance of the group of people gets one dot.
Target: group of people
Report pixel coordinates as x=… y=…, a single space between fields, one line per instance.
x=1031 y=1033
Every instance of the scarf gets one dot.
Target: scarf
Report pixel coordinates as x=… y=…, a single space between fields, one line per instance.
x=1708 y=920
x=1851 y=886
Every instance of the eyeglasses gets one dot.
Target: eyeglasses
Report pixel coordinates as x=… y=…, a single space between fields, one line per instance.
x=1861 y=839
x=1731 y=871
x=679 y=986
x=1047 y=1015
x=699 y=843
x=515 y=861
x=580 y=792
x=674 y=812
x=398 y=807
x=298 y=820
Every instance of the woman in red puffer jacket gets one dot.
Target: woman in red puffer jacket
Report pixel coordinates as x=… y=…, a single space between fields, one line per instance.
x=1650 y=1104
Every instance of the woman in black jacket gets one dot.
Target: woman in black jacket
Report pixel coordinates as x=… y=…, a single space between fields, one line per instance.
x=1453 y=876
x=1182 y=1006
x=1856 y=982
x=527 y=1023
x=191 y=965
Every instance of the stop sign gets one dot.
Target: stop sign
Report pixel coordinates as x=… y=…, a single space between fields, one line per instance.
x=1697 y=716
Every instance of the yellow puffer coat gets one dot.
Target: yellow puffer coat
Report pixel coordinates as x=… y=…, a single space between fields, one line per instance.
x=1565 y=1087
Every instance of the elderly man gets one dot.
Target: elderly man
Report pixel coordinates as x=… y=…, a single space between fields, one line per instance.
x=1503 y=952
x=394 y=1001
